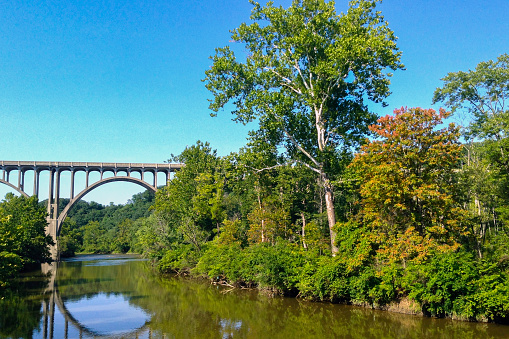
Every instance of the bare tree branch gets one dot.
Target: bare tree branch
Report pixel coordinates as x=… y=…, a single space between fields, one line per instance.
x=297 y=67
x=287 y=82
x=309 y=166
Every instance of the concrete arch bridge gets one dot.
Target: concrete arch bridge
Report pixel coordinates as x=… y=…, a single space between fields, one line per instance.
x=119 y=171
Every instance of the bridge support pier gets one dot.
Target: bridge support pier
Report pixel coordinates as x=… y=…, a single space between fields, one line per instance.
x=55 y=218
x=51 y=230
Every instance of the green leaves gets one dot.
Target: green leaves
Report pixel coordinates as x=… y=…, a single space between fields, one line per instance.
x=455 y=284
x=23 y=238
x=306 y=66
x=191 y=204
x=305 y=79
x=483 y=93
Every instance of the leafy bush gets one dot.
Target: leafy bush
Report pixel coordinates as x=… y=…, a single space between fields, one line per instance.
x=275 y=266
x=221 y=262
x=179 y=259
x=325 y=279
x=438 y=283
x=272 y=267
x=455 y=284
x=10 y=264
x=490 y=298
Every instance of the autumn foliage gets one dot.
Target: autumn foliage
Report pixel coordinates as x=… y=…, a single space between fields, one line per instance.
x=407 y=186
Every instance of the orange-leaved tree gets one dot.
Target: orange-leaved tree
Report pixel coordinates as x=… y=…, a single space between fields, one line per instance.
x=407 y=185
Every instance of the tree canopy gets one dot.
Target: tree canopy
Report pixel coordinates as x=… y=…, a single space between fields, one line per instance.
x=407 y=184
x=23 y=238
x=482 y=95
x=305 y=79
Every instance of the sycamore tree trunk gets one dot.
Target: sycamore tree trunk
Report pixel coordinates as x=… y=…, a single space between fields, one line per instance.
x=329 y=202
x=263 y=220
x=303 y=217
x=331 y=214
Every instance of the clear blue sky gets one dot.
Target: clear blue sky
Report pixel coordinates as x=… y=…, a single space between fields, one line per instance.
x=120 y=81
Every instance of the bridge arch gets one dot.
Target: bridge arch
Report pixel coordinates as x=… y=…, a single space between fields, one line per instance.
x=90 y=188
x=55 y=170
x=19 y=190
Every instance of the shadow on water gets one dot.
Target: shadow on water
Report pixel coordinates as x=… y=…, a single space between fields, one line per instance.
x=119 y=296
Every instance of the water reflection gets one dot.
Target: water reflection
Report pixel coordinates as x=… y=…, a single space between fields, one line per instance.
x=20 y=307
x=86 y=300
x=117 y=315
x=121 y=297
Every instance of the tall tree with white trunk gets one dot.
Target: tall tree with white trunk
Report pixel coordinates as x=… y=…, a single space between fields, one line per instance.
x=305 y=77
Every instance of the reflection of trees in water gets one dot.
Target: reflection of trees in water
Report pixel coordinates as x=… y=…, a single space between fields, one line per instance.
x=186 y=308
x=86 y=279
x=190 y=308
x=80 y=279
x=21 y=307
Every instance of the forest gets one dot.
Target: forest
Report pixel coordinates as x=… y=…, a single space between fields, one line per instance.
x=328 y=201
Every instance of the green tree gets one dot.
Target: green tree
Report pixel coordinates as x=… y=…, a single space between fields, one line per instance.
x=483 y=95
x=188 y=204
x=209 y=198
x=305 y=79
x=23 y=229
x=23 y=239
x=482 y=194
x=257 y=189
x=153 y=236
x=70 y=239
x=124 y=236
x=95 y=239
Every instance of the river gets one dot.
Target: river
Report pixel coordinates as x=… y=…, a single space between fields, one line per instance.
x=118 y=296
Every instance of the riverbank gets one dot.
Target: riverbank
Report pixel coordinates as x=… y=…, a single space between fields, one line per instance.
x=116 y=296
x=449 y=285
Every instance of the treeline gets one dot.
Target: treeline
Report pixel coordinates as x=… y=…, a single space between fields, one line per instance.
x=326 y=201
x=23 y=241
x=410 y=223
x=91 y=227
x=420 y=210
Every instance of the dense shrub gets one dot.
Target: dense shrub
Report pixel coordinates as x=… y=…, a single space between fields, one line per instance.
x=490 y=299
x=268 y=267
x=223 y=263
x=179 y=259
x=329 y=279
x=324 y=279
x=10 y=264
x=455 y=284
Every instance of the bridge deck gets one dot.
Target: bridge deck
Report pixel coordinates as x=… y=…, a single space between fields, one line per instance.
x=88 y=166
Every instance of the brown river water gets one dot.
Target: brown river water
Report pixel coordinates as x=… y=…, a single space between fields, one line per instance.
x=118 y=296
